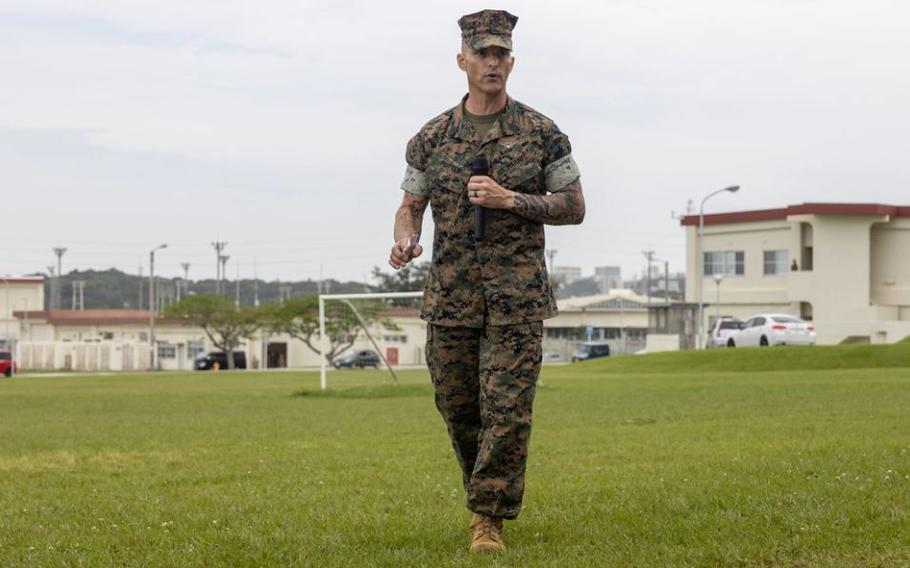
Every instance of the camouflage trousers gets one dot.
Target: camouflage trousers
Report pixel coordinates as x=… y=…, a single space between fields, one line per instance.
x=485 y=381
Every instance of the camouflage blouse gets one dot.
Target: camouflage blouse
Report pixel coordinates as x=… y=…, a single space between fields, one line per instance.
x=501 y=280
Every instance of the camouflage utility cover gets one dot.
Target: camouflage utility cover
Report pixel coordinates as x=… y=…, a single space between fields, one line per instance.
x=503 y=279
x=488 y=28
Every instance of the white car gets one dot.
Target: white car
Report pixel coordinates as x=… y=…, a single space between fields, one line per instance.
x=773 y=329
x=721 y=332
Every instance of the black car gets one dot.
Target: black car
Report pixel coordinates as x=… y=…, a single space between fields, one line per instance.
x=216 y=360
x=360 y=358
x=590 y=350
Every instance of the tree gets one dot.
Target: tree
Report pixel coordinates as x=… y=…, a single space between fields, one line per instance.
x=223 y=323
x=411 y=278
x=298 y=317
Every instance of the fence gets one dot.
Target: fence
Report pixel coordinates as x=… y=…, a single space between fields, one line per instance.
x=72 y=356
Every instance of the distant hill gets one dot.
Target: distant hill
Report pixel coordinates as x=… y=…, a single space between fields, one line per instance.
x=115 y=289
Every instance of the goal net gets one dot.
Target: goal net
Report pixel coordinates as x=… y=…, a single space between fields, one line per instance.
x=378 y=330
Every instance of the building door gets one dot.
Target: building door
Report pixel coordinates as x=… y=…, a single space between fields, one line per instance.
x=805 y=311
x=391 y=355
x=277 y=355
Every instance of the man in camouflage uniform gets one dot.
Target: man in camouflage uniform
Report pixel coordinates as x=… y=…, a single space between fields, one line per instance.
x=485 y=300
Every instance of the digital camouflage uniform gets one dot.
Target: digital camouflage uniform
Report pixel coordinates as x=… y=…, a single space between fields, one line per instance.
x=485 y=300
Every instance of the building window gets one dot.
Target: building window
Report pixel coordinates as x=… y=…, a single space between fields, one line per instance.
x=107 y=335
x=725 y=263
x=776 y=262
x=570 y=333
x=166 y=350
x=395 y=338
x=194 y=348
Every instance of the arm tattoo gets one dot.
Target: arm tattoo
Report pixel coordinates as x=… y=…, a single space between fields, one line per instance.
x=567 y=207
x=409 y=218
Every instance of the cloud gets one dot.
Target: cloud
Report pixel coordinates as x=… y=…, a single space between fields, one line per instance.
x=285 y=122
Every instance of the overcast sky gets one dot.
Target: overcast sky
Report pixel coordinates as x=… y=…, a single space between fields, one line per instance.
x=280 y=126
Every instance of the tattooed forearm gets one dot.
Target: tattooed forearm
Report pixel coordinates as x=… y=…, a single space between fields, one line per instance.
x=409 y=218
x=566 y=207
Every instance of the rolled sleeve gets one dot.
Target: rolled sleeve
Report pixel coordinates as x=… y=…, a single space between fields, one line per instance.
x=415 y=181
x=559 y=174
x=560 y=168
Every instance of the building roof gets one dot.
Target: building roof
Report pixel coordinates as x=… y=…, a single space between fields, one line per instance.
x=620 y=298
x=22 y=279
x=802 y=209
x=90 y=317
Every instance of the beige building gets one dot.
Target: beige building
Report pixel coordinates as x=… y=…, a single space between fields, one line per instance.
x=843 y=266
x=619 y=317
x=17 y=293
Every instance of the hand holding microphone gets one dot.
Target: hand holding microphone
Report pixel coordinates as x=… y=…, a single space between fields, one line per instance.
x=484 y=193
x=480 y=167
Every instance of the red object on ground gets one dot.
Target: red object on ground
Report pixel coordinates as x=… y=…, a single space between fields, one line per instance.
x=7 y=364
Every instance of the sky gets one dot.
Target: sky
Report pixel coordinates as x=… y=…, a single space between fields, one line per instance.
x=279 y=126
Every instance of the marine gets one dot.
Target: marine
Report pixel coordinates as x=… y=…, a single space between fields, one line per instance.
x=485 y=300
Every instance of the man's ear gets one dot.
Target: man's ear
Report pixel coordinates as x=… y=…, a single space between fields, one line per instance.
x=460 y=59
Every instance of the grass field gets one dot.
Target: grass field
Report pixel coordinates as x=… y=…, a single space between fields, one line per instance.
x=771 y=457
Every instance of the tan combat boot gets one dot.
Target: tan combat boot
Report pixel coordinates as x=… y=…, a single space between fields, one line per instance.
x=486 y=534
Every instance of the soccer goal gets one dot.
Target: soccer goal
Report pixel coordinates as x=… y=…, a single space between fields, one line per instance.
x=370 y=330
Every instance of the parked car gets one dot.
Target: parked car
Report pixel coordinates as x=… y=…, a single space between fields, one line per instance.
x=359 y=358
x=590 y=350
x=7 y=364
x=722 y=330
x=215 y=360
x=772 y=329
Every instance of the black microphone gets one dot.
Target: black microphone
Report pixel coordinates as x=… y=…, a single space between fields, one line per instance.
x=480 y=167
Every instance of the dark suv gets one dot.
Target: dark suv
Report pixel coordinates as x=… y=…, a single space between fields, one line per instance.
x=360 y=358
x=7 y=364
x=590 y=350
x=216 y=360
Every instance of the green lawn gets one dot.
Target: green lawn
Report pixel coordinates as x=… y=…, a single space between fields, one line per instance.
x=771 y=457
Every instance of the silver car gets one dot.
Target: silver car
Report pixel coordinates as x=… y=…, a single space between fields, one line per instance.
x=773 y=329
x=722 y=330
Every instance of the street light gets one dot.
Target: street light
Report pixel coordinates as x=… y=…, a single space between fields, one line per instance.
x=717 y=280
x=700 y=264
x=153 y=354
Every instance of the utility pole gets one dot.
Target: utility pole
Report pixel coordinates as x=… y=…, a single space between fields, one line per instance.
x=666 y=278
x=551 y=254
x=51 y=270
x=139 y=303
x=237 y=288
x=222 y=284
x=649 y=254
x=78 y=302
x=186 y=280
x=255 y=284
x=57 y=288
x=218 y=246
x=153 y=351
